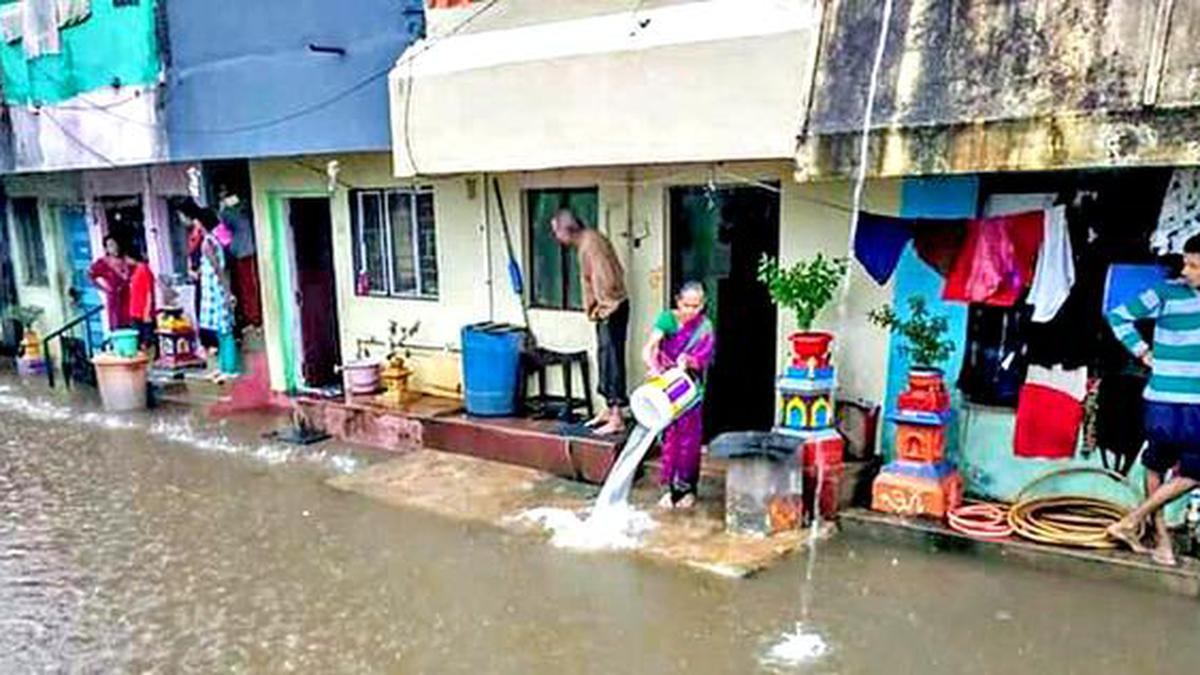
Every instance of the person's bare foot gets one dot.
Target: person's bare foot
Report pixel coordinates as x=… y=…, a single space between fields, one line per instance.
x=1124 y=531
x=666 y=503
x=611 y=428
x=686 y=502
x=1164 y=554
x=596 y=421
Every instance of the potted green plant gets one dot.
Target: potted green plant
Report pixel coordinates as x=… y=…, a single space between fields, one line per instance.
x=804 y=288
x=924 y=334
x=28 y=316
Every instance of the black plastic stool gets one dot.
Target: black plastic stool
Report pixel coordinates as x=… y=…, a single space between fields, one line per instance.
x=544 y=405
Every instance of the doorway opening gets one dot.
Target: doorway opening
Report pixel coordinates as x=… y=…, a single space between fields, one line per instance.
x=311 y=242
x=124 y=219
x=718 y=234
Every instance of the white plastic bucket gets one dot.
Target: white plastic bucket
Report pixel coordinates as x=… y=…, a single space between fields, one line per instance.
x=663 y=397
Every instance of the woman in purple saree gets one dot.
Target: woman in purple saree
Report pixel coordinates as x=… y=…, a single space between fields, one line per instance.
x=682 y=338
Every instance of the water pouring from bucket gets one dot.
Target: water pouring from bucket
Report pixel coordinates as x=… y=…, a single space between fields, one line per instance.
x=613 y=523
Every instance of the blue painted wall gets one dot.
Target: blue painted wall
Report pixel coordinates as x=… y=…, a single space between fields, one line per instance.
x=238 y=69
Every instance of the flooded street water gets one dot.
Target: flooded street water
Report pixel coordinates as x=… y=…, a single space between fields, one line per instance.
x=158 y=544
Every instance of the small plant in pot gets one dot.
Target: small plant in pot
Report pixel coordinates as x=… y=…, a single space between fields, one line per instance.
x=925 y=343
x=28 y=316
x=805 y=288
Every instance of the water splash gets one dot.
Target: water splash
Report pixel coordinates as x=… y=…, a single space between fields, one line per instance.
x=797 y=648
x=619 y=527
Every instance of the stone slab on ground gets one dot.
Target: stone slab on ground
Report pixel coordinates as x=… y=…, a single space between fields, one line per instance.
x=472 y=489
x=1121 y=566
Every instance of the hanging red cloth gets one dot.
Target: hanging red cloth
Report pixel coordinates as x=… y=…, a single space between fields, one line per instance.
x=996 y=263
x=1050 y=413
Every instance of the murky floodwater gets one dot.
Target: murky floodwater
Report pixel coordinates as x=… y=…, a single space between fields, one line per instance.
x=158 y=544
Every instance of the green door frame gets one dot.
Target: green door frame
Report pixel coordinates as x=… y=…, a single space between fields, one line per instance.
x=283 y=262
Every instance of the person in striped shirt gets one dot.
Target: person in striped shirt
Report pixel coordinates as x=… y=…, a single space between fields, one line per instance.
x=1172 y=397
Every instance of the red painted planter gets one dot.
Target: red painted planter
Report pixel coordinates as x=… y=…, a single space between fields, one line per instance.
x=810 y=349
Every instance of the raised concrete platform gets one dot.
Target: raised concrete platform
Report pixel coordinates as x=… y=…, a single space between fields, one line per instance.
x=432 y=422
x=1117 y=566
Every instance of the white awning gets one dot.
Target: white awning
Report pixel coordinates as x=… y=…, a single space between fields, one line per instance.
x=709 y=80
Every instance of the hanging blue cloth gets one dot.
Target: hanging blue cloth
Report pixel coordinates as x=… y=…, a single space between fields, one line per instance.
x=879 y=242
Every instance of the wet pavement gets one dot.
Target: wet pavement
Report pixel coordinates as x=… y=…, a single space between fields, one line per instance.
x=166 y=544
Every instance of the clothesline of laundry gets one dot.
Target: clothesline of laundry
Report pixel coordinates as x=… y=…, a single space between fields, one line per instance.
x=990 y=261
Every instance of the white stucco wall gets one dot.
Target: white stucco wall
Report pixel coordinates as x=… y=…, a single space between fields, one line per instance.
x=632 y=201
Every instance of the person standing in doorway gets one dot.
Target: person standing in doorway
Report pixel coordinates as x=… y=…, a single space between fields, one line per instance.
x=606 y=303
x=111 y=274
x=1172 y=414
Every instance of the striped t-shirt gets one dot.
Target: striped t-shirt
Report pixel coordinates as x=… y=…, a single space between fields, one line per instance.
x=1175 y=308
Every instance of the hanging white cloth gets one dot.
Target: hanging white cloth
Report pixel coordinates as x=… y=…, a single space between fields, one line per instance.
x=1055 y=272
x=40 y=28
x=1072 y=382
x=1179 y=218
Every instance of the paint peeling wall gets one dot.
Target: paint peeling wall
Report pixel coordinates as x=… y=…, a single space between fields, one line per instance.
x=245 y=83
x=978 y=85
x=93 y=101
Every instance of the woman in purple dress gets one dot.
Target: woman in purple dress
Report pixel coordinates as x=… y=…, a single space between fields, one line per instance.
x=682 y=338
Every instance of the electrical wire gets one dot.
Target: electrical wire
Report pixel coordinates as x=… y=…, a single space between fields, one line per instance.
x=281 y=119
x=76 y=140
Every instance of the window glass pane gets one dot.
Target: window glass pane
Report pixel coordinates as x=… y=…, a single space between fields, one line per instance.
x=371 y=244
x=545 y=253
x=403 y=261
x=554 y=269
x=33 y=252
x=427 y=240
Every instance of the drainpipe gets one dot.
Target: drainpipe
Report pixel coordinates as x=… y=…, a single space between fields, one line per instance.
x=487 y=245
x=1158 y=52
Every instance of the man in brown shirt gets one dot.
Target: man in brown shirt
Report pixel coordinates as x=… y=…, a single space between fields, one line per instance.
x=607 y=305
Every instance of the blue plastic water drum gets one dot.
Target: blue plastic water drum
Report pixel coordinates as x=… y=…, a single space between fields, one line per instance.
x=491 y=368
x=1125 y=282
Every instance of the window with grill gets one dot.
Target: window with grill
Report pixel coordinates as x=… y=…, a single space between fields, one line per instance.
x=554 y=268
x=29 y=237
x=395 y=243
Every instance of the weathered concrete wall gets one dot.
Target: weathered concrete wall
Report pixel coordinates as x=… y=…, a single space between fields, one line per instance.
x=978 y=86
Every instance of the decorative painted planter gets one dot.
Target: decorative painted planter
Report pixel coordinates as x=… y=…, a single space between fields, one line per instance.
x=921 y=482
x=810 y=349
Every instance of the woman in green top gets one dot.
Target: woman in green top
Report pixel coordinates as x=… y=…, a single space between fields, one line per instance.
x=682 y=338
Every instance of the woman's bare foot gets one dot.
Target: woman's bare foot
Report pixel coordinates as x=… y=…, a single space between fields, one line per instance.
x=666 y=503
x=596 y=421
x=686 y=502
x=1164 y=554
x=1127 y=533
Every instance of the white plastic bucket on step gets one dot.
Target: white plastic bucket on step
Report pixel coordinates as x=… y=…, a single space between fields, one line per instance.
x=664 y=397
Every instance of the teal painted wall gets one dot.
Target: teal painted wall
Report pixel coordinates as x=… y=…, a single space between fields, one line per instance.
x=980 y=438
x=114 y=42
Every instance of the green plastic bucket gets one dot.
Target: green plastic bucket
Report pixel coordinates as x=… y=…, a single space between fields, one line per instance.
x=124 y=342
